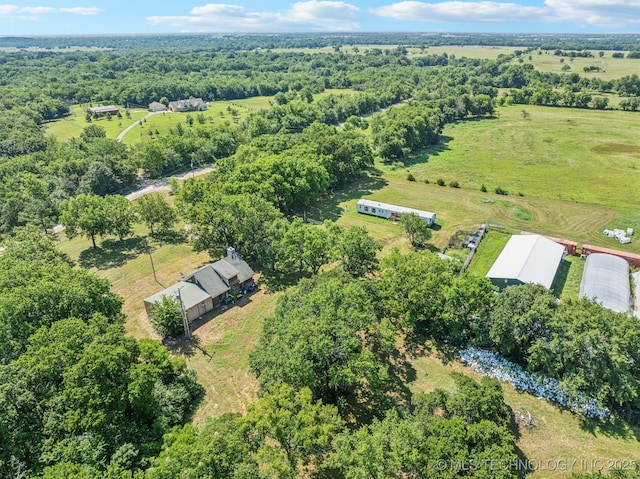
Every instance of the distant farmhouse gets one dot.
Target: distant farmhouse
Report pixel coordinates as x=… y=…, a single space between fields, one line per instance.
x=209 y=286
x=194 y=104
x=392 y=212
x=156 y=106
x=527 y=259
x=103 y=110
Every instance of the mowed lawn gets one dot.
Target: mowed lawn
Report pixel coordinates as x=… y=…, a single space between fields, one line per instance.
x=72 y=125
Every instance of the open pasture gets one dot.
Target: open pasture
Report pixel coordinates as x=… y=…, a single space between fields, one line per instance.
x=610 y=68
x=578 y=172
x=469 y=51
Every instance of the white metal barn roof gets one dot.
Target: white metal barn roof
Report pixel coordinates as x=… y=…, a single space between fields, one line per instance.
x=528 y=259
x=428 y=215
x=605 y=280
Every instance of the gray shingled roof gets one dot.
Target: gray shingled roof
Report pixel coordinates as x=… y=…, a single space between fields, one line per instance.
x=190 y=293
x=208 y=279
x=244 y=270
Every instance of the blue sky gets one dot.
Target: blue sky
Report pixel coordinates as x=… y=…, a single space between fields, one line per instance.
x=40 y=17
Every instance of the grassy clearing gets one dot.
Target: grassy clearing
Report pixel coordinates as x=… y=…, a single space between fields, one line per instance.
x=72 y=125
x=610 y=68
x=219 y=112
x=559 y=435
x=472 y=51
x=469 y=51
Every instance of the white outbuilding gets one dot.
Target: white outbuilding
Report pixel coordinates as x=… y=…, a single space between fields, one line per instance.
x=392 y=212
x=527 y=259
x=605 y=280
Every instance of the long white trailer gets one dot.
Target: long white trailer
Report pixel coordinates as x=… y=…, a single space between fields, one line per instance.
x=392 y=212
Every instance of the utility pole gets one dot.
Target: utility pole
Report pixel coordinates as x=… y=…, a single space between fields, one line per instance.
x=153 y=266
x=185 y=321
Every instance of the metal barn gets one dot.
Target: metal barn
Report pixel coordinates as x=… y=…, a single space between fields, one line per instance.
x=605 y=280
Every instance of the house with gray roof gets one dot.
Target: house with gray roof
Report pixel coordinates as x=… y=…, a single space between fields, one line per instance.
x=193 y=104
x=208 y=286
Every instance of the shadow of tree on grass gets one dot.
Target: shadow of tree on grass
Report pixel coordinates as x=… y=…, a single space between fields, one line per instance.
x=328 y=209
x=112 y=253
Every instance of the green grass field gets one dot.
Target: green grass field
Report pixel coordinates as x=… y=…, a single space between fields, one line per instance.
x=71 y=126
x=469 y=51
x=610 y=68
x=578 y=172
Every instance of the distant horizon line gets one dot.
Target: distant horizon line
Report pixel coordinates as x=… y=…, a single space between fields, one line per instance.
x=332 y=34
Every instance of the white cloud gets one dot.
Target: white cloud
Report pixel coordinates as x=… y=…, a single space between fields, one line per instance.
x=8 y=9
x=581 y=12
x=455 y=11
x=301 y=16
x=14 y=12
x=597 y=12
x=37 y=10
x=81 y=10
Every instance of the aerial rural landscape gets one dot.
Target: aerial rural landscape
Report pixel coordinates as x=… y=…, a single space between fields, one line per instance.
x=247 y=254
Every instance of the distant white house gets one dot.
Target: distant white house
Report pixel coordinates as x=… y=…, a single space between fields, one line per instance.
x=527 y=259
x=193 y=104
x=392 y=212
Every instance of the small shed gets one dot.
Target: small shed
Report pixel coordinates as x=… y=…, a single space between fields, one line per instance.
x=527 y=259
x=605 y=280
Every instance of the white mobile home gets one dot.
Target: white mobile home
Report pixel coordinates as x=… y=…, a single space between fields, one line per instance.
x=392 y=212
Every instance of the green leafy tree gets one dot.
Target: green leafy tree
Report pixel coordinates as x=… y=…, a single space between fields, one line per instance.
x=85 y=214
x=357 y=251
x=166 y=317
x=221 y=220
x=468 y=427
x=321 y=337
x=294 y=431
x=98 y=180
x=91 y=132
x=156 y=213
x=520 y=316
x=416 y=229
x=306 y=246
x=121 y=216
